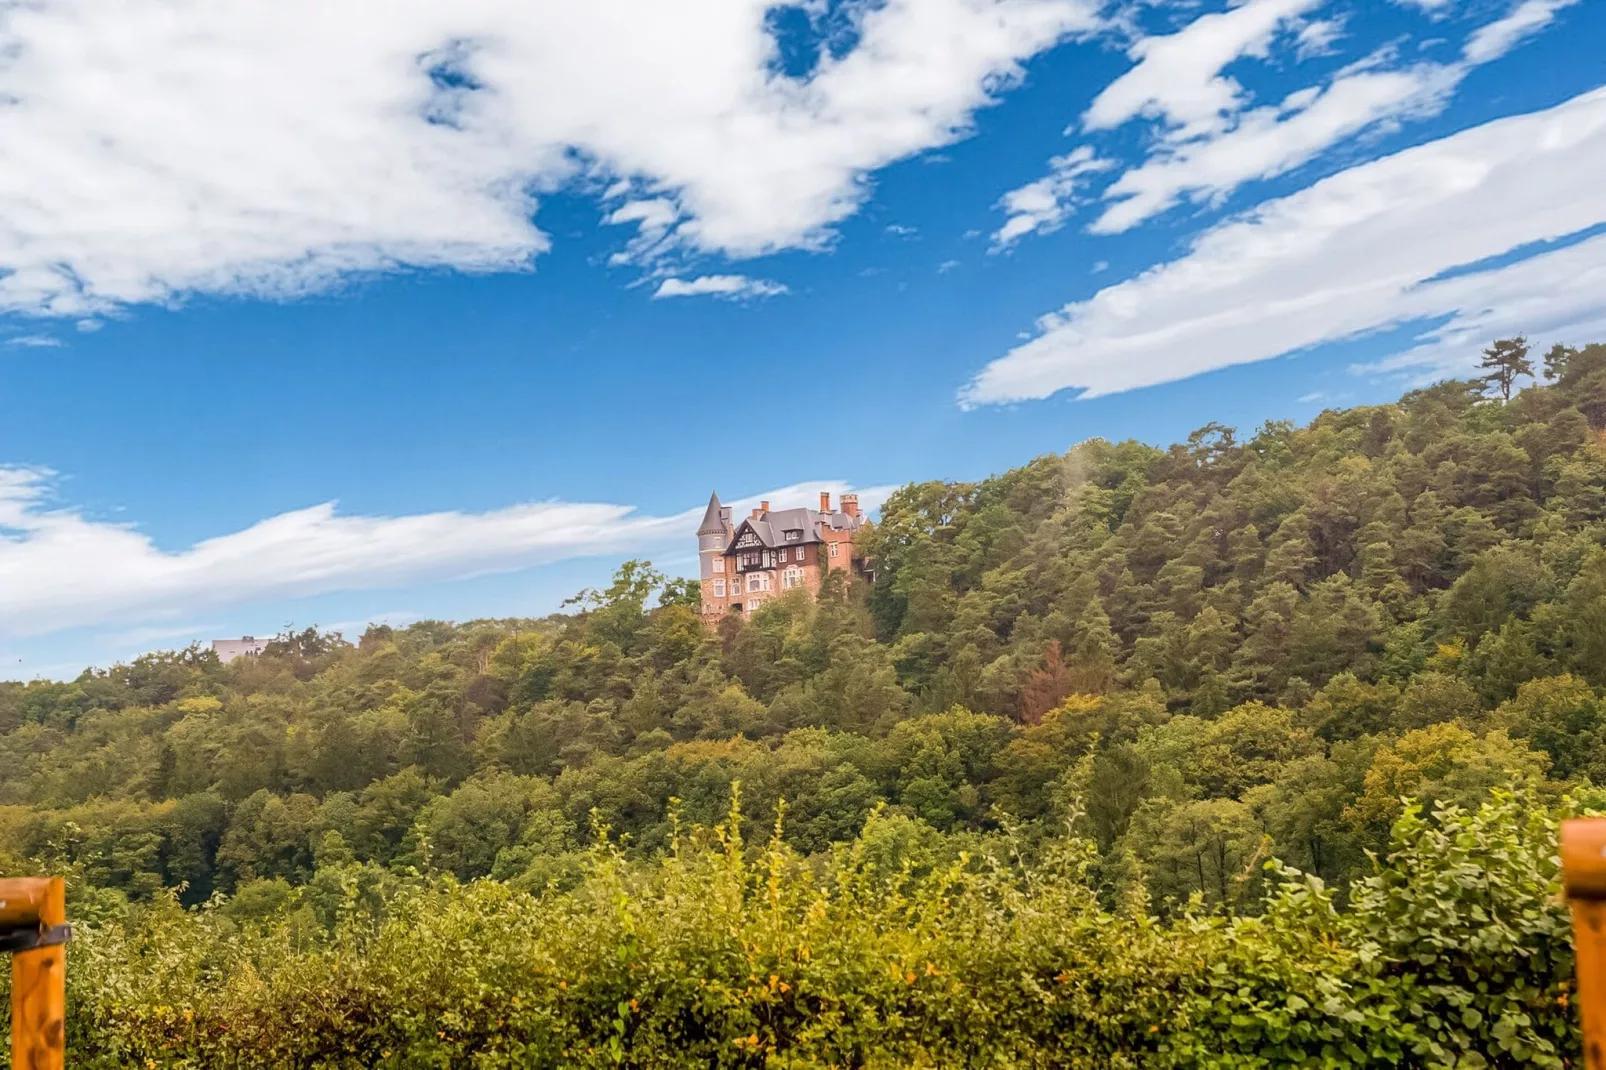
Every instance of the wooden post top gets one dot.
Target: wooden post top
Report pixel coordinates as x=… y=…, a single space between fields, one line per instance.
x=25 y=901
x=1583 y=857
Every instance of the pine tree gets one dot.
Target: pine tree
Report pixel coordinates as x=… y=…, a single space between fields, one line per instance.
x=1557 y=359
x=1503 y=361
x=1093 y=662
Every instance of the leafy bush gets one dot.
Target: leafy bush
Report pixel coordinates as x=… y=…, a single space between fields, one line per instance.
x=1454 y=952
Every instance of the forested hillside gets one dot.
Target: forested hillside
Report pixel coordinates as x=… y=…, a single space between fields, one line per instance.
x=1090 y=699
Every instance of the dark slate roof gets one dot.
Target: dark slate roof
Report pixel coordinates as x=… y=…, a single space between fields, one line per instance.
x=771 y=527
x=712 y=524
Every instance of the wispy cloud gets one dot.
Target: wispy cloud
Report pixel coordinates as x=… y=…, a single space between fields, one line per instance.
x=1318 y=37
x=727 y=286
x=1490 y=42
x=144 y=638
x=1388 y=242
x=34 y=341
x=1044 y=205
x=1178 y=81
x=1204 y=157
x=1180 y=78
x=61 y=569
x=1208 y=137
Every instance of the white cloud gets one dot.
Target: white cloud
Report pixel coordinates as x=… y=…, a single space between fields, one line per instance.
x=653 y=219
x=1362 y=250
x=1178 y=77
x=1317 y=37
x=143 y=638
x=1271 y=140
x=162 y=147
x=1555 y=296
x=61 y=569
x=1491 y=42
x=34 y=341
x=1205 y=162
x=1044 y=205
x=1178 y=81
x=728 y=286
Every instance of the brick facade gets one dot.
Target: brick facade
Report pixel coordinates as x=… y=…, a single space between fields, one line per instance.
x=744 y=562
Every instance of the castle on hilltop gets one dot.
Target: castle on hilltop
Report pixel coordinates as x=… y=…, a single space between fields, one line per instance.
x=772 y=552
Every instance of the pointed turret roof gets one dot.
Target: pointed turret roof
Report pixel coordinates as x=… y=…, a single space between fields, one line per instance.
x=712 y=524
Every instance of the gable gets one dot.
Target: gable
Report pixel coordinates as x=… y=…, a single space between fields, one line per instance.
x=745 y=538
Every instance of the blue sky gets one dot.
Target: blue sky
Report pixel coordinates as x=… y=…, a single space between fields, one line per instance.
x=428 y=310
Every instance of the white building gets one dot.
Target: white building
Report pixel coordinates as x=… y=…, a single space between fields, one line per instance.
x=248 y=646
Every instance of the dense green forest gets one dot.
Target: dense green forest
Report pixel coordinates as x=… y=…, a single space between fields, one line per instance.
x=1114 y=764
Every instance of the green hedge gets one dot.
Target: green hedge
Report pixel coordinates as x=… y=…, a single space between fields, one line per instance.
x=1455 y=952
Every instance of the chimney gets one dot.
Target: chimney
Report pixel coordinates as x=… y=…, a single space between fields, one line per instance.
x=850 y=504
x=763 y=507
x=757 y=512
x=825 y=501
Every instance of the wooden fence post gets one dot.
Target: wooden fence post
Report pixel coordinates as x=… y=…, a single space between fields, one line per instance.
x=33 y=912
x=1583 y=874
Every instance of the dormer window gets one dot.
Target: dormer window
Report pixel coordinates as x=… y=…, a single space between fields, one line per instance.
x=794 y=536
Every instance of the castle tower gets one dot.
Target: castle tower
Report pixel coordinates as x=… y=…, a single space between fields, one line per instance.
x=713 y=535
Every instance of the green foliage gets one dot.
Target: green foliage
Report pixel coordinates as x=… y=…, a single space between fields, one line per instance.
x=883 y=953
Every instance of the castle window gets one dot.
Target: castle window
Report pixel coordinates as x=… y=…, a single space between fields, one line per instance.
x=758 y=581
x=793 y=536
x=834 y=546
x=782 y=555
x=719 y=564
x=792 y=577
x=719 y=588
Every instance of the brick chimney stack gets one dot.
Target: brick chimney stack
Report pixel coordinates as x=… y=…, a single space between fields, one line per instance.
x=850 y=504
x=825 y=501
x=763 y=507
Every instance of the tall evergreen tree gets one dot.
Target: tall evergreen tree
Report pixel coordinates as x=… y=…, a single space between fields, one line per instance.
x=1503 y=361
